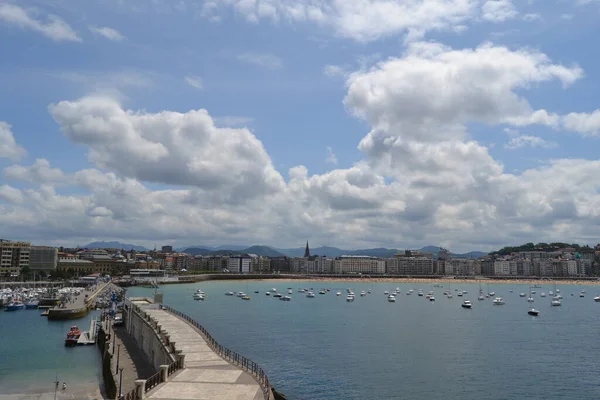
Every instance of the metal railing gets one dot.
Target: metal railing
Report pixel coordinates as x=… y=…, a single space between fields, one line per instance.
x=248 y=365
x=133 y=395
x=153 y=381
x=175 y=366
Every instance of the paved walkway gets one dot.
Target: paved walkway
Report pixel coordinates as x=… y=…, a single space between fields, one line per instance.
x=206 y=375
x=131 y=359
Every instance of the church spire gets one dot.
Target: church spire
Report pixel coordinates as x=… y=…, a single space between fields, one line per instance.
x=307 y=250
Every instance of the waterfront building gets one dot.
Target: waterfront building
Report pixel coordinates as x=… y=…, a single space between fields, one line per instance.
x=13 y=257
x=239 y=264
x=261 y=264
x=78 y=266
x=461 y=267
x=359 y=264
x=43 y=258
x=411 y=263
x=280 y=264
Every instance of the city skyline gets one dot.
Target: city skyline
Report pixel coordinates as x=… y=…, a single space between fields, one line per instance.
x=359 y=124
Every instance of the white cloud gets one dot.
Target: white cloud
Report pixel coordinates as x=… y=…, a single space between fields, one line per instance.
x=498 y=10
x=8 y=145
x=107 y=33
x=520 y=142
x=331 y=157
x=39 y=172
x=264 y=60
x=53 y=27
x=586 y=123
x=10 y=194
x=195 y=82
x=169 y=147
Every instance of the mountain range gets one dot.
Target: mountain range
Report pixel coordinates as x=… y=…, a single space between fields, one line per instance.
x=267 y=251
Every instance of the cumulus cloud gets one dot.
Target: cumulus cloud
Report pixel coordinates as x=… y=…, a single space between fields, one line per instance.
x=585 y=123
x=8 y=145
x=107 y=33
x=423 y=179
x=39 y=172
x=498 y=10
x=52 y=27
x=331 y=157
x=169 y=147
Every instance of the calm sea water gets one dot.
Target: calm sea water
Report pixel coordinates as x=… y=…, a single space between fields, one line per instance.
x=33 y=355
x=326 y=348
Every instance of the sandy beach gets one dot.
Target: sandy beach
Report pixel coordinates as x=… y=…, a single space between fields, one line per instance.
x=70 y=393
x=441 y=281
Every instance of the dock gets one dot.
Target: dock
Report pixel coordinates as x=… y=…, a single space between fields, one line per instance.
x=90 y=336
x=205 y=374
x=80 y=306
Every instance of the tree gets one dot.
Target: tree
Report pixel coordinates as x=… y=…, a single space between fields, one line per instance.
x=25 y=272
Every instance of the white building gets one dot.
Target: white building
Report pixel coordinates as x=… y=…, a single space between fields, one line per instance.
x=359 y=264
x=502 y=267
x=239 y=264
x=409 y=265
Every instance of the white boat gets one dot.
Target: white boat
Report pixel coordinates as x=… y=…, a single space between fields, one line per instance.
x=300 y=290
x=555 y=303
x=350 y=297
x=198 y=296
x=542 y=294
x=363 y=293
x=322 y=292
x=531 y=299
x=386 y=292
x=464 y=292
x=285 y=298
x=277 y=295
x=310 y=295
x=467 y=304
x=491 y=294
x=498 y=301
x=522 y=294
x=432 y=298
x=199 y=291
x=449 y=295
x=369 y=291
x=338 y=294
x=273 y=290
x=268 y=293
x=229 y=294
x=459 y=294
x=480 y=297
x=241 y=294
x=597 y=299
x=420 y=293
x=581 y=294
x=290 y=291
x=391 y=298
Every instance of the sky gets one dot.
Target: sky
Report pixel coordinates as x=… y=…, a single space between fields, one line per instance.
x=468 y=124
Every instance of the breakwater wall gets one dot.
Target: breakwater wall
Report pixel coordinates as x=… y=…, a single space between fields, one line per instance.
x=110 y=386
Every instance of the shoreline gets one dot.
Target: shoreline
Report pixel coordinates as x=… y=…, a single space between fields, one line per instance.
x=418 y=280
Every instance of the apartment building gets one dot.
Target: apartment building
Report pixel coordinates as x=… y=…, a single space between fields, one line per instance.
x=13 y=257
x=43 y=258
x=359 y=264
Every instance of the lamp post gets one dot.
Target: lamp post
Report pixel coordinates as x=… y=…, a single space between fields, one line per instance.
x=120 y=382
x=118 y=353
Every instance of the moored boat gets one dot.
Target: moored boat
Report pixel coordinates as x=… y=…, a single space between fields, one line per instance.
x=72 y=336
x=467 y=304
x=32 y=305
x=15 y=305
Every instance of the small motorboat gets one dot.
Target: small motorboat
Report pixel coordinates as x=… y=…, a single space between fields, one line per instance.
x=246 y=297
x=467 y=304
x=391 y=298
x=198 y=296
x=268 y=293
x=581 y=294
x=363 y=293
x=531 y=299
x=534 y=312
x=322 y=292
x=555 y=303
x=72 y=336
x=310 y=295
x=290 y=291
x=491 y=294
x=256 y=291
x=32 y=305
x=459 y=294
x=498 y=301
x=277 y=295
x=449 y=295
x=597 y=299
x=432 y=298
x=285 y=298
x=386 y=292
x=542 y=294
x=338 y=294
x=229 y=294
x=522 y=294
x=350 y=298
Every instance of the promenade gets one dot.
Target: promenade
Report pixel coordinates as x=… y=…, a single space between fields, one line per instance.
x=78 y=306
x=205 y=376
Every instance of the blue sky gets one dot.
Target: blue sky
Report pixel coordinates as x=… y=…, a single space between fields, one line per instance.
x=309 y=81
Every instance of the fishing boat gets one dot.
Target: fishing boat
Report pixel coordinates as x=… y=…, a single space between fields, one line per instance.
x=15 y=305
x=32 y=305
x=72 y=336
